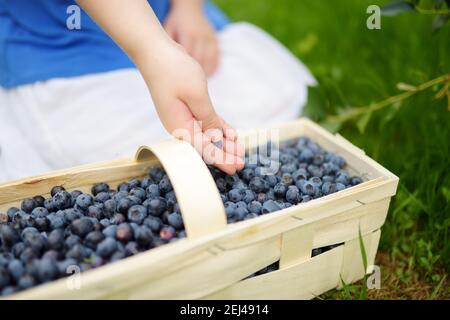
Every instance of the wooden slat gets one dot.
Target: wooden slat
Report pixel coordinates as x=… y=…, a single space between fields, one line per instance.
x=302 y=281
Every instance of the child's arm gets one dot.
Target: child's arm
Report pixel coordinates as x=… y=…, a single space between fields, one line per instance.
x=188 y=25
x=176 y=81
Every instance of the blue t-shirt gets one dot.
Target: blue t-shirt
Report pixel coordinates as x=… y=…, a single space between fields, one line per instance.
x=37 y=45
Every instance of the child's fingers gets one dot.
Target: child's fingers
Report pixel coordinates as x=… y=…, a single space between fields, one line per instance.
x=211 y=56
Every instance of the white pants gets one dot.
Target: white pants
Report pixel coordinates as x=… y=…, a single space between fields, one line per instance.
x=65 y=122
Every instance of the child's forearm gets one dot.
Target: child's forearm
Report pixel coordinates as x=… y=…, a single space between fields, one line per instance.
x=131 y=24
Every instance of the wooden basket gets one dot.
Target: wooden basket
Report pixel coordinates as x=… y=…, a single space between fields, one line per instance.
x=214 y=258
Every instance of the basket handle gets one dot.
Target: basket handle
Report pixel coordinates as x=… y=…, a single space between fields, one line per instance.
x=200 y=203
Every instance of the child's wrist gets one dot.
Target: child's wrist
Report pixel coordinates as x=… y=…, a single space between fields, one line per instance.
x=187 y=5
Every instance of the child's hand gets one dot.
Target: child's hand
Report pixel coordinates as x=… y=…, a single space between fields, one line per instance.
x=179 y=90
x=188 y=26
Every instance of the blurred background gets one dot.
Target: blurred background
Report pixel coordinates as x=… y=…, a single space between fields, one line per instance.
x=387 y=91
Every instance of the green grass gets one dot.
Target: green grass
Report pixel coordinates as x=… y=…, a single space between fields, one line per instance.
x=357 y=67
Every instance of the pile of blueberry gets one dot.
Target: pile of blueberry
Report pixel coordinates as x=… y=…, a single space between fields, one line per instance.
x=279 y=177
x=42 y=239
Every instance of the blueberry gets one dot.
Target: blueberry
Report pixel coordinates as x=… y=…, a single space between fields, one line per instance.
x=124 y=232
x=8 y=235
x=56 y=239
x=280 y=190
x=26 y=282
x=157 y=206
x=287 y=179
x=56 y=189
x=138 y=213
x=101 y=197
x=269 y=206
x=16 y=269
x=117 y=256
x=107 y=247
x=239 y=185
x=306 y=155
x=235 y=195
x=152 y=191
x=171 y=198
x=28 y=255
x=340 y=186
x=154 y=223
x=330 y=168
x=131 y=248
x=39 y=212
x=272 y=180
x=250 y=216
x=74 y=194
x=71 y=215
x=249 y=196
x=39 y=200
x=81 y=227
x=300 y=174
x=84 y=201
x=338 y=160
x=315 y=171
x=318 y=159
x=47 y=270
x=353 y=181
x=17 y=249
x=134 y=200
x=221 y=185
x=62 y=200
x=71 y=241
x=288 y=168
x=286 y=158
x=176 y=220
x=342 y=177
x=182 y=234
x=117 y=219
x=293 y=195
x=36 y=242
x=156 y=174
x=144 y=237
x=110 y=207
x=95 y=211
x=28 y=205
x=110 y=231
x=105 y=222
x=138 y=192
x=247 y=174
x=27 y=232
x=240 y=213
x=167 y=233
x=254 y=207
x=123 y=205
x=327 y=179
x=56 y=222
x=77 y=252
x=27 y=221
x=50 y=205
x=134 y=183
x=99 y=187
x=230 y=208
x=93 y=238
x=11 y=212
x=96 y=261
x=52 y=254
x=308 y=188
x=257 y=184
x=306 y=198
x=165 y=185
x=123 y=187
